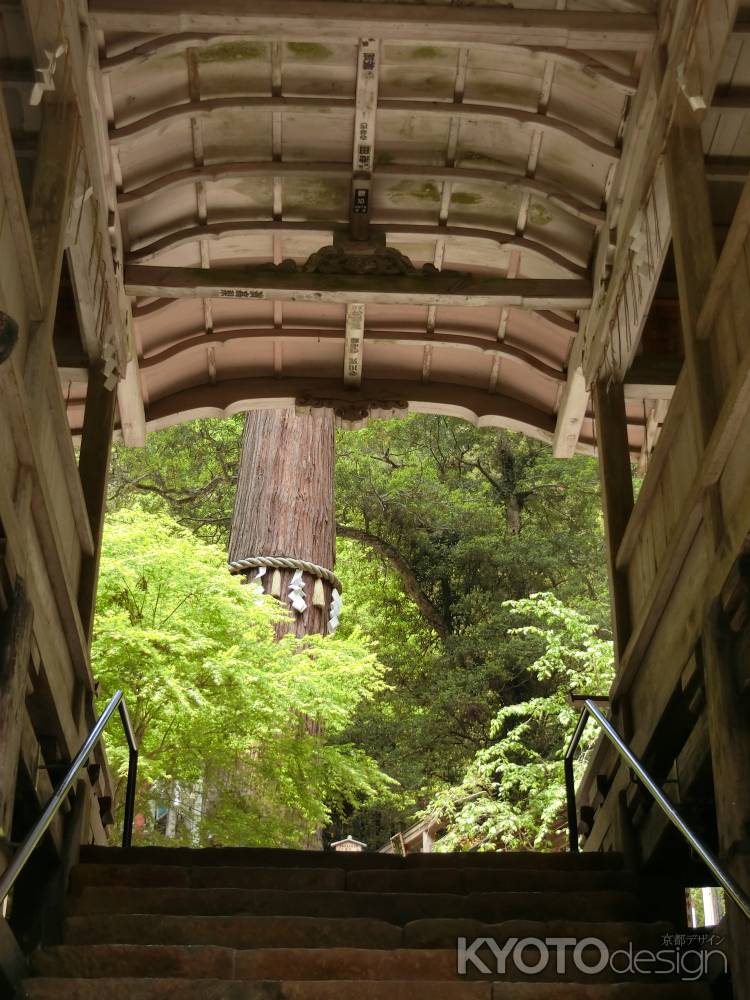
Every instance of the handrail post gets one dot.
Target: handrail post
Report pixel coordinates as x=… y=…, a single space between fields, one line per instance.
x=570 y=781
x=570 y=794
x=24 y=852
x=129 y=813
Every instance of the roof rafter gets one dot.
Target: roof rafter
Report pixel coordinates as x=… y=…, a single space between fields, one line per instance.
x=458 y=339
x=337 y=19
x=165 y=45
x=221 y=230
x=304 y=105
x=233 y=171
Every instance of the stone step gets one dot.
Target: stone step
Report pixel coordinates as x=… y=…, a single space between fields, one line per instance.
x=207 y=877
x=243 y=932
x=394 y=907
x=445 y=880
x=225 y=989
x=232 y=931
x=262 y=857
x=470 y=880
x=302 y=964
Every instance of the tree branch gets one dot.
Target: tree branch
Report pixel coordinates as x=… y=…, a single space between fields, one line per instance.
x=408 y=578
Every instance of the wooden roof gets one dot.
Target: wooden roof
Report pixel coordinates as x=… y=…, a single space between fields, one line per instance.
x=373 y=206
x=302 y=126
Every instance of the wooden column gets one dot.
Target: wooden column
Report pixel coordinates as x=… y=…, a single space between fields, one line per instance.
x=729 y=735
x=93 y=468
x=694 y=248
x=49 y=210
x=15 y=650
x=615 y=477
x=285 y=502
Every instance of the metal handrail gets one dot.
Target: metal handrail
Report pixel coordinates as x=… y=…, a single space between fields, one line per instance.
x=732 y=889
x=26 y=849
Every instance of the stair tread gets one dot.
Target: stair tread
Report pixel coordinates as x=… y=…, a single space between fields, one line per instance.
x=246 y=931
x=397 y=907
x=260 y=924
x=280 y=857
x=227 y=989
x=450 y=880
x=301 y=964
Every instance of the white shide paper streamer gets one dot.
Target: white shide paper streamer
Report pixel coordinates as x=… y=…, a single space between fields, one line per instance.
x=297 y=592
x=336 y=602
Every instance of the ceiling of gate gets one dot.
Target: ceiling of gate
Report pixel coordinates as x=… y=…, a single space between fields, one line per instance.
x=457 y=183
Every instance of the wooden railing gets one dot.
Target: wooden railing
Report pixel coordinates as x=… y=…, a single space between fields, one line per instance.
x=688 y=527
x=670 y=508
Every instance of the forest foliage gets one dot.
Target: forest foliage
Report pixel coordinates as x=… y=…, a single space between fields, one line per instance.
x=216 y=703
x=472 y=562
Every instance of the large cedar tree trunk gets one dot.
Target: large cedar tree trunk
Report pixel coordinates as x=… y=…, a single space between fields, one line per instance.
x=285 y=507
x=285 y=502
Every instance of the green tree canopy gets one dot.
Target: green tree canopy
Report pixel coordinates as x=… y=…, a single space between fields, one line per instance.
x=215 y=700
x=440 y=525
x=513 y=792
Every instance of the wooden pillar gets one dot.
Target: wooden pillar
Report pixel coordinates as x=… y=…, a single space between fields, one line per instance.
x=616 y=481
x=93 y=468
x=49 y=212
x=694 y=249
x=285 y=504
x=729 y=735
x=15 y=651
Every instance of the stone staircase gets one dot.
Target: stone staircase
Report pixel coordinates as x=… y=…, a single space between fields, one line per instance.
x=256 y=924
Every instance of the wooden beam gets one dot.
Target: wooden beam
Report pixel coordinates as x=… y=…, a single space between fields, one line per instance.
x=13 y=390
x=734 y=413
x=695 y=263
x=611 y=330
x=73 y=374
x=93 y=466
x=80 y=81
x=727 y=170
x=335 y=20
x=735 y=101
x=690 y=49
x=731 y=253
x=692 y=224
x=420 y=289
x=380 y=396
x=571 y=414
x=15 y=651
x=615 y=477
x=654 y=423
x=13 y=965
x=130 y=407
x=12 y=195
x=156 y=122
x=54 y=171
x=652 y=378
x=573 y=403
x=729 y=735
